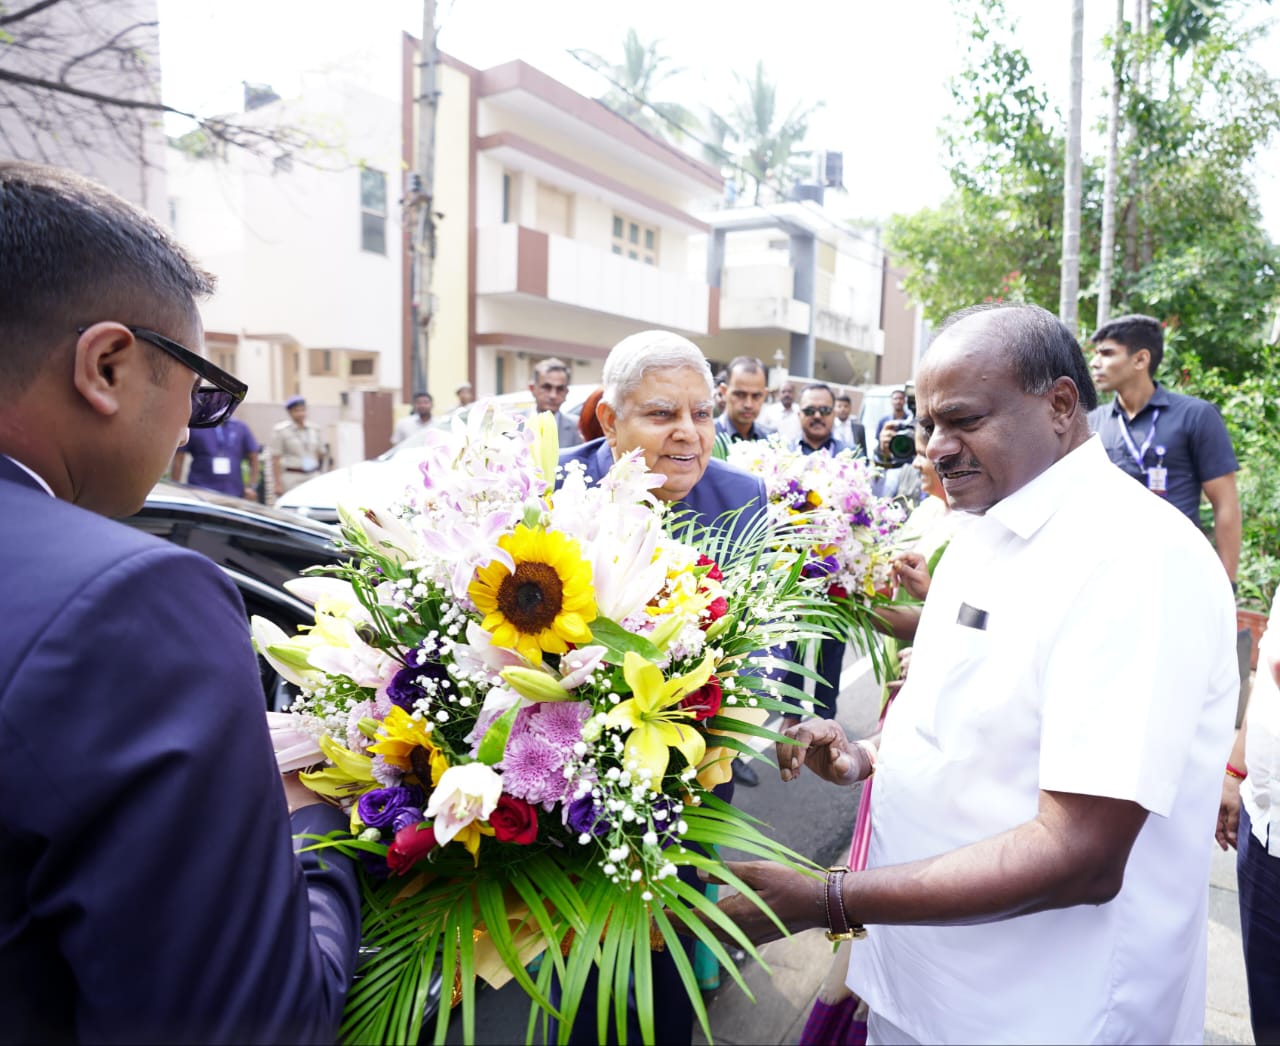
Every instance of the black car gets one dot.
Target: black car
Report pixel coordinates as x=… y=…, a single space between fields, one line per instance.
x=259 y=548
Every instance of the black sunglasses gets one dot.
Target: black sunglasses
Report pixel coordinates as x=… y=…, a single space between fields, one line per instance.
x=809 y=412
x=210 y=406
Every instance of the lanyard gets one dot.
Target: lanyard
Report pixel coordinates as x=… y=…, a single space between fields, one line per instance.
x=1138 y=453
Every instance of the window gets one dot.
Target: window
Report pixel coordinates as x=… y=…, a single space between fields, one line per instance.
x=373 y=211
x=222 y=356
x=635 y=241
x=362 y=367
x=320 y=362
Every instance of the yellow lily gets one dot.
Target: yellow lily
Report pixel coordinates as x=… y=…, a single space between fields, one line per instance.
x=546 y=445
x=656 y=721
x=350 y=775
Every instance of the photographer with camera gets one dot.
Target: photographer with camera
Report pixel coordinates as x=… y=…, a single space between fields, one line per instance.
x=895 y=454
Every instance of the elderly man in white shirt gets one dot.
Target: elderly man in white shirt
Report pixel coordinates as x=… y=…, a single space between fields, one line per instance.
x=1046 y=781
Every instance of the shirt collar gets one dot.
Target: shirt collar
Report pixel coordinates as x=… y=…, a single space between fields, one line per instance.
x=1159 y=398
x=34 y=475
x=1027 y=509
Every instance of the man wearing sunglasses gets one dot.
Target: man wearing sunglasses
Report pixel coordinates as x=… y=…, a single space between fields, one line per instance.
x=149 y=890
x=817 y=418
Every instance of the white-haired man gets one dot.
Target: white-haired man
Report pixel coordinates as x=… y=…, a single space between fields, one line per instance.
x=658 y=397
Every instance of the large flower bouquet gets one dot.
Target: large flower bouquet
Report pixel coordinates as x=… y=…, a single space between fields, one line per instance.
x=824 y=504
x=524 y=697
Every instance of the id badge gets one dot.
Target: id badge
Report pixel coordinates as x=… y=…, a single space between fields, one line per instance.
x=1158 y=480
x=309 y=464
x=222 y=466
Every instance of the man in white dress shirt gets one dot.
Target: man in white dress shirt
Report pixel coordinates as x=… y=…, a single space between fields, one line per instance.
x=1047 y=781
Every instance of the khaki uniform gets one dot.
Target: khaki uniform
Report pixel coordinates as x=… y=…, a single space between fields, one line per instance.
x=301 y=451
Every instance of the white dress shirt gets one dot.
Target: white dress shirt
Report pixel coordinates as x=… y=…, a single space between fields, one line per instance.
x=1105 y=665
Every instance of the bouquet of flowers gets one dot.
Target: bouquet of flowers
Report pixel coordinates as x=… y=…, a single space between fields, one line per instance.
x=823 y=503
x=524 y=697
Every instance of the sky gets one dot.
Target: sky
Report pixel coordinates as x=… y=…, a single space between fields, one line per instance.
x=880 y=68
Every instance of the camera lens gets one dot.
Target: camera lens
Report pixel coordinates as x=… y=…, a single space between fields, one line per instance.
x=902 y=445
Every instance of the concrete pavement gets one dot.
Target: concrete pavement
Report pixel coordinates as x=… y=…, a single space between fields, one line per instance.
x=799 y=964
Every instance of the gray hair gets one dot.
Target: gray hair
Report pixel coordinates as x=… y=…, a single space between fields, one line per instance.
x=634 y=356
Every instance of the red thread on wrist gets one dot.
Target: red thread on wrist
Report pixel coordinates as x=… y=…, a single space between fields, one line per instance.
x=1239 y=775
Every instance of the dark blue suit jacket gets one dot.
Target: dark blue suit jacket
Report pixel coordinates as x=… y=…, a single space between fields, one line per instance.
x=722 y=488
x=148 y=886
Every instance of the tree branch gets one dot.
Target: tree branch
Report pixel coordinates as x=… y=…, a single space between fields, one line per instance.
x=27 y=12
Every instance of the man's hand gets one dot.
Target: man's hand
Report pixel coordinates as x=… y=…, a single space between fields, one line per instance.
x=1228 y=829
x=798 y=900
x=911 y=571
x=821 y=746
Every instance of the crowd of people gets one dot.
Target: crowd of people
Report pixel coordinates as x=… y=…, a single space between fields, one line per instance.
x=1034 y=862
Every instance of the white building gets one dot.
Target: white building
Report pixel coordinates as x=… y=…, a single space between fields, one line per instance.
x=797 y=288
x=307 y=247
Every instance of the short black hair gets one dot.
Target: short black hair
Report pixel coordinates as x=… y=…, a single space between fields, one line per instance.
x=819 y=386
x=1135 y=332
x=747 y=364
x=1041 y=349
x=844 y=396
x=74 y=253
x=423 y=392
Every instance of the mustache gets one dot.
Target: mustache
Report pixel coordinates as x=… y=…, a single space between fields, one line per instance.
x=956 y=464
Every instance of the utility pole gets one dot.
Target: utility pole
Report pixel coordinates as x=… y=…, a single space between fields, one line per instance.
x=421 y=197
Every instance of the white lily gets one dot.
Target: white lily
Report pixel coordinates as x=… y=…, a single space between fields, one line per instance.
x=288 y=655
x=464 y=794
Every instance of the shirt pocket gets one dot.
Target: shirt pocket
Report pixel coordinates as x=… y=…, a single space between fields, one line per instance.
x=962 y=676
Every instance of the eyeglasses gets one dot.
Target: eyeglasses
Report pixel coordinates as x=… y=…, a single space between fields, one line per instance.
x=809 y=412
x=554 y=388
x=210 y=406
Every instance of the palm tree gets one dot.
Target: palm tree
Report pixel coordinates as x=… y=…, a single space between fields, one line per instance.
x=1106 y=249
x=764 y=145
x=1068 y=301
x=633 y=83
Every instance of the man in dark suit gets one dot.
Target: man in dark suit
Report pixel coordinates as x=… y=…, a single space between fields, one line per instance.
x=658 y=398
x=149 y=889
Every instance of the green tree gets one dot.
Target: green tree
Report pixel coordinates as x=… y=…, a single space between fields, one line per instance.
x=763 y=143
x=635 y=84
x=1210 y=268
x=1005 y=154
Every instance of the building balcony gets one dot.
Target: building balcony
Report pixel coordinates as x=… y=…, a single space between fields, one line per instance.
x=515 y=262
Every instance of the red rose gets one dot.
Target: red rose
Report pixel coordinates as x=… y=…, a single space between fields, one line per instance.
x=411 y=844
x=514 y=821
x=714 y=573
x=705 y=701
x=717 y=608
x=837 y=592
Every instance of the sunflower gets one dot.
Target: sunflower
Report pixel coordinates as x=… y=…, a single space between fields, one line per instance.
x=545 y=603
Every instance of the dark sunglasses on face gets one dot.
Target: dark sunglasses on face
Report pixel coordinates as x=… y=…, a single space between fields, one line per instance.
x=210 y=406
x=809 y=412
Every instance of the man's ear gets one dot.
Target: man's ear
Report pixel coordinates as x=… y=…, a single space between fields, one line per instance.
x=104 y=356
x=1142 y=359
x=1064 y=400
x=608 y=418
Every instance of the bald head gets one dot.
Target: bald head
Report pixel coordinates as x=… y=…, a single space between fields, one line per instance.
x=1002 y=395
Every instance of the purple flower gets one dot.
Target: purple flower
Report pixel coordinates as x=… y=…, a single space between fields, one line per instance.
x=583 y=815
x=406 y=816
x=380 y=807
x=821 y=567
x=405 y=688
